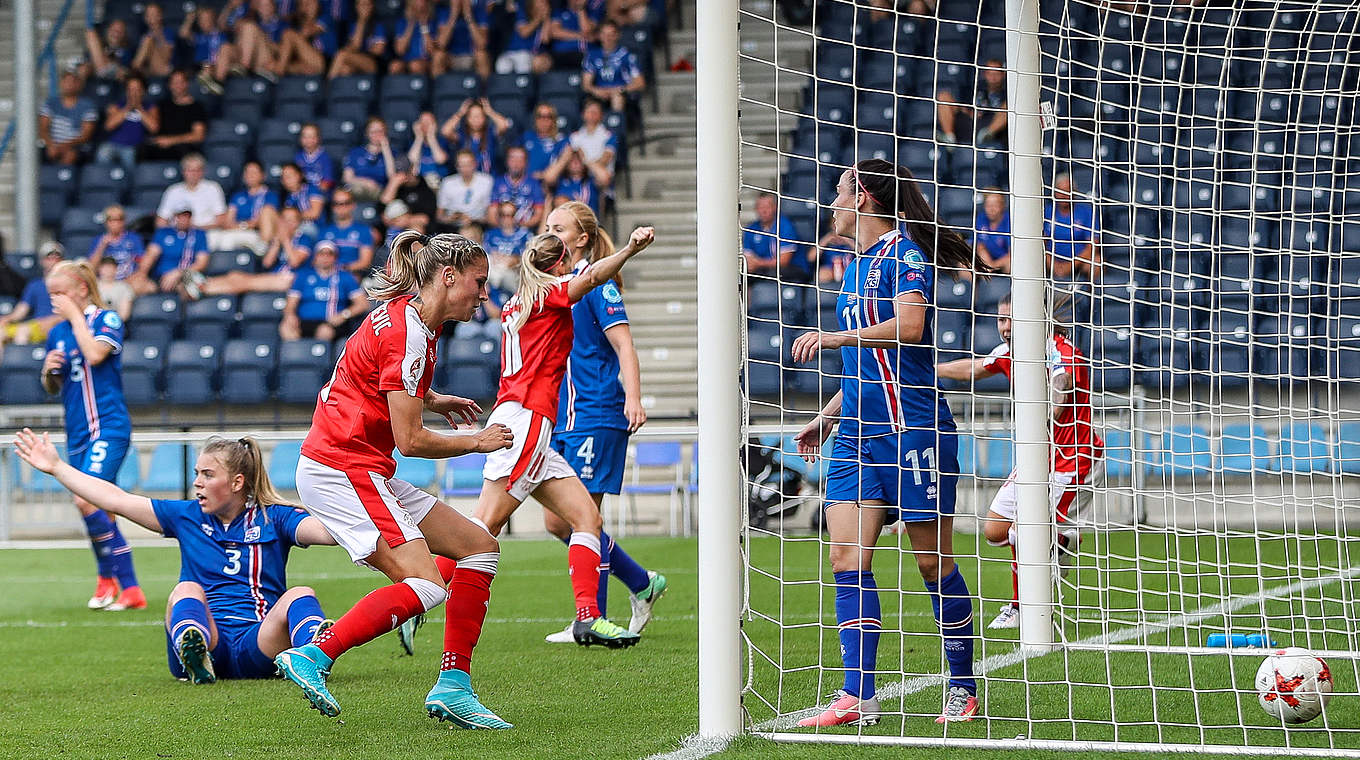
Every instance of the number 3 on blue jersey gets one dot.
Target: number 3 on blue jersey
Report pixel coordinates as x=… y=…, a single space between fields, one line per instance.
x=233 y=562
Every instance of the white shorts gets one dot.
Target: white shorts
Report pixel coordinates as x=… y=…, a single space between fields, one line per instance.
x=1064 y=491
x=359 y=507
x=532 y=459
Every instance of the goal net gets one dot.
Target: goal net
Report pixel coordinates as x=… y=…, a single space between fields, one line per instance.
x=1201 y=230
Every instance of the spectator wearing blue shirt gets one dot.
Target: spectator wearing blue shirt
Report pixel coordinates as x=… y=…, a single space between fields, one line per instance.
x=353 y=238
x=368 y=166
x=174 y=250
x=503 y=245
x=108 y=57
x=307 y=44
x=519 y=188
x=1072 y=230
x=429 y=153
x=325 y=301
x=127 y=124
x=155 y=55
x=569 y=30
x=300 y=195
x=66 y=123
x=992 y=232
x=118 y=243
x=259 y=29
x=833 y=257
x=415 y=39
x=32 y=316
x=546 y=145
x=318 y=168
x=476 y=127
x=577 y=183
x=364 y=45
x=214 y=52
x=611 y=73
x=770 y=242
x=254 y=208
x=525 y=44
x=462 y=39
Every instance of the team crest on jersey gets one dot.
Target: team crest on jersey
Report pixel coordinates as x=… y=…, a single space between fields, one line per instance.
x=113 y=320
x=871 y=279
x=207 y=529
x=611 y=293
x=253 y=533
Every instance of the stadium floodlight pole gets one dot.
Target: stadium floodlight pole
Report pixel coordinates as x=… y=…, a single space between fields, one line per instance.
x=720 y=325
x=1030 y=326
x=25 y=128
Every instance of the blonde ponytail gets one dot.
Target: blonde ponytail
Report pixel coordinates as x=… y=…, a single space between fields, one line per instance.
x=81 y=271
x=410 y=268
x=243 y=457
x=542 y=254
x=598 y=243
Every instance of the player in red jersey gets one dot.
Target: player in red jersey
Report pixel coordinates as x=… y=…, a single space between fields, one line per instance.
x=536 y=326
x=373 y=403
x=1077 y=460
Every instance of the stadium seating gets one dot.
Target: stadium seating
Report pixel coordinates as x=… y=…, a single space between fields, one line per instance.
x=470 y=368
x=283 y=461
x=247 y=371
x=171 y=471
x=463 y=476
x=419 y=472
x=304 y=366
x=20 y=375
x=194 y=367
x=143 y=371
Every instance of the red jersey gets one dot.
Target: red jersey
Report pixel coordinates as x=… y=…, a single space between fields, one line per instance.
x=352 y=426
x=1075 y=442
x=534 y=357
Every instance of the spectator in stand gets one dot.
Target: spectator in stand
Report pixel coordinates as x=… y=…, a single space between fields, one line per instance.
x=128 y=123
x=568 y=33
x=527 y=40
x=307 y=44
x=992 y=235
x=630 y=12
x=463 y=38
x=429 y=153
x=117 y=293
x=318 y=168
x=833 y=257
x=365 y=44
x=67 y=122
x=464 y=196
x=32 y=316
x=297 y=194
x=520 y=189
x=987 y=114
x=156 y=52
x=205 y=199
x=1072 y=230
x=254 y=208
x=411 y=189
x=325 y=301
x=214 y=54
x=109 y=57
x=289 y=250
x=477 y=127
x=259 y=27
x=174 y=249
x=118 y=243
x=352 y=237
x=368 y=166
x=611 y=73
x=577 y=183
x=415 y=40
x=398 y=217
x=770 y=242
x=546 y=144
x=597 y=144
x=503 y=245
x=183 y=123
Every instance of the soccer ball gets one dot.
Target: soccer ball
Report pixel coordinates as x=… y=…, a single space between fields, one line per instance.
x=1293 y=685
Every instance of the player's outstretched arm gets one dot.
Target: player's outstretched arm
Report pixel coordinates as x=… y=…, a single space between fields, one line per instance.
x=310 y=532
x=39 y=452
x=606 y=268
x=413 y=439
x=963 y=369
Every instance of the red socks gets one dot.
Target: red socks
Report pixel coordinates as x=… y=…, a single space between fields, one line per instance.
x=583 y=564
x=381 y=611
x=463 y=616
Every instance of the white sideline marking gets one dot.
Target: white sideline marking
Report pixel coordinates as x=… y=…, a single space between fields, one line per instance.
x=691 y=745
x=104 y=621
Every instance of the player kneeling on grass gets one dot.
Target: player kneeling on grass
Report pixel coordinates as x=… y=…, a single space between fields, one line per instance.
x=1077 y=455
x=232 y=610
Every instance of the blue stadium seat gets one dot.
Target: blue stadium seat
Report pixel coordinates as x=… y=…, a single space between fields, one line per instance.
x=273 y=157
x=156 y=317
x=20 y=375
x=107 y=179
x=473 y=369
x=956 y=206
x=243 y=90
x=822 y=375
x=765 y=341
x=260 y=315
x=1348 y=449
x=762 y=299
x=247 y=371
x=230 y=131
x=1304 y=448
x=224 y=166
x=522 y=85
x=297 y=110
x=304 y=366
x=871 y=145
x=278 y=132
x=172 y=468
x=155 y=175
x=1244 y=449
x=130 y=473
x=999 y=454
x=1185 y=450
x=339 y=135
x=876 y=111
x=360 y=88
x=283 y=462
x=239 y=260
x=143 y=371
x=56 y=190
x=301 y=91
x=463 y=475
x=413 y=89
x=192 y=369
x=421 y=473
x=834 y=61
x=209 y=320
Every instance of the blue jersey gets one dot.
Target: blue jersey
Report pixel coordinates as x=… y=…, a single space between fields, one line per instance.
x=178 y=249
x=350 y=240
x=996 y=238
x=207 y=45
x=301 y=199
x=1069 y=233
x=425 y=32
x=92 y=395
x=367 y=165
x=616 y=68
x=241 y=566
x=249 y=203
x=888 y=390
x=127 y=250
x=496 y=241
x=317 y=168
x=483 y=148
x=322 y=297
x=592 y=395
x=583 y=190
x=544 y=150
x=526 y=193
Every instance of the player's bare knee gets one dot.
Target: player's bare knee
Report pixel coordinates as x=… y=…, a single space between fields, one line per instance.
x=186 y=588
x=588 y=521
x=929 y=567
x=845 y=559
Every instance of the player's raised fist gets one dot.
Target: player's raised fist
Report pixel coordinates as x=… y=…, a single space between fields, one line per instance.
x=641 y=238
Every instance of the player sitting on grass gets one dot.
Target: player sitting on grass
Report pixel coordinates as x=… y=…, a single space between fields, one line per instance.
x=232 y=610
x=1077 y=459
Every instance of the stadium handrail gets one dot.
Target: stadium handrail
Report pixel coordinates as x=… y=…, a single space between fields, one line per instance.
x=48 y=56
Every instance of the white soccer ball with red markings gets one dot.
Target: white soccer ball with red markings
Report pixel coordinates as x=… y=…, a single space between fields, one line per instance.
x=1293 y=685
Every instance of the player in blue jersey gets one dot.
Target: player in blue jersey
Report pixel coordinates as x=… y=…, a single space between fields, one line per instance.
x=84 y=366
x=232 y=610
x=895 y=456
x=599 y=406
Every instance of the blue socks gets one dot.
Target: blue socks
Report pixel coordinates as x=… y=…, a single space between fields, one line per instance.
x=624 y=567
x=861 y=624
x=304 y=615
x=112 y=555
x=189 y=613
x=954 y=612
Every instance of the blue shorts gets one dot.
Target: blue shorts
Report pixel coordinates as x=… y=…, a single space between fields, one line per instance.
x=237 y=654
x=598 y=456
x=915 y=471
x=102 y=458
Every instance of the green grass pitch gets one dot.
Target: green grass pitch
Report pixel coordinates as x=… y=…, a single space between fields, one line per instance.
x=75 y=683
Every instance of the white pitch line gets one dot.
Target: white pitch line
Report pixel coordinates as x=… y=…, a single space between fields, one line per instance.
x=691 y=745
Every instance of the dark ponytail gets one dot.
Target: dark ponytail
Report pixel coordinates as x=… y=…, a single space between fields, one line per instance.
x=893 y=190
